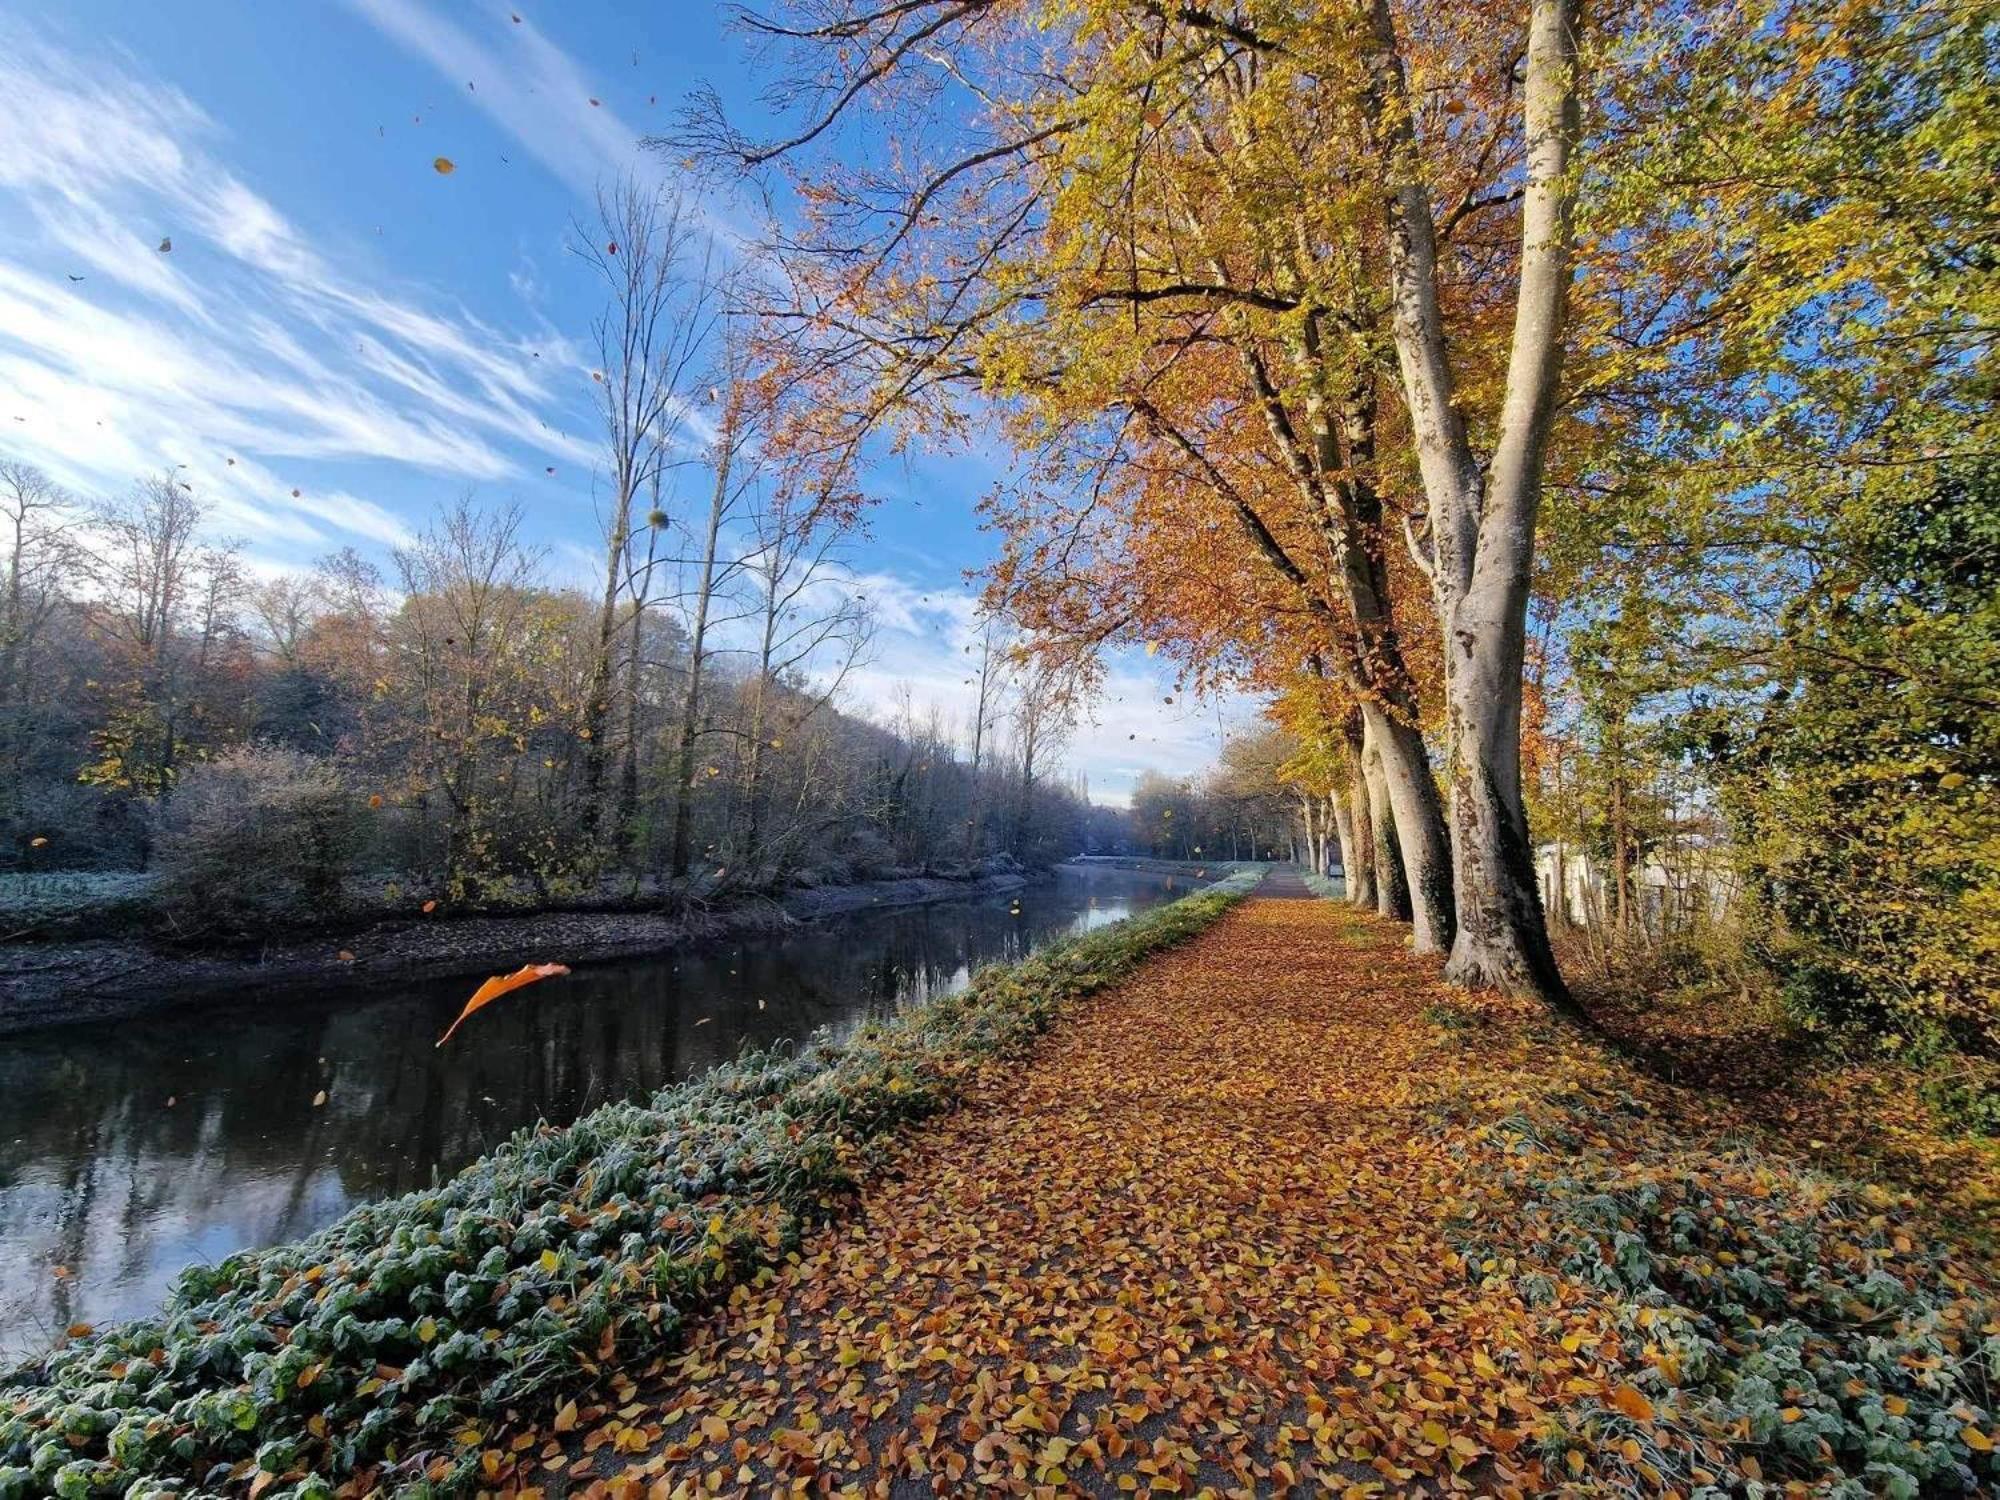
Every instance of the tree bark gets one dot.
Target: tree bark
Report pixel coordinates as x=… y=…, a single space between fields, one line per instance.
x=1361 y=874
x=1392 y=888
x=1482 y=525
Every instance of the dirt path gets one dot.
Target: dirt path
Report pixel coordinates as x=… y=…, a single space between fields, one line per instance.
x=1275 y=1215
x=1197 y=1243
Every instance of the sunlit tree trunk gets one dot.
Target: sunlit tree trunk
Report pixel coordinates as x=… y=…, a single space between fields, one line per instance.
x=1482 y=519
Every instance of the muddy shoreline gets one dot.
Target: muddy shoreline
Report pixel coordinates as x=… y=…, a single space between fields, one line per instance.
x=59 y=983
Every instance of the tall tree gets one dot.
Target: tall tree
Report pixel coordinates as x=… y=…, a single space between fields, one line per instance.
x=657 y=319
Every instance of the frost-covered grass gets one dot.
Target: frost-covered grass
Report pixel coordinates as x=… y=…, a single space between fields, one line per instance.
x=397 y=1333
x=30 y=900
x=1324 y=885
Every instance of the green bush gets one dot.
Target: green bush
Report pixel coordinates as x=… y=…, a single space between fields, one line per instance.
x=382 y=1338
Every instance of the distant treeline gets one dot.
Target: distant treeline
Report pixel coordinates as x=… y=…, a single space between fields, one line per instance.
x=274 y=744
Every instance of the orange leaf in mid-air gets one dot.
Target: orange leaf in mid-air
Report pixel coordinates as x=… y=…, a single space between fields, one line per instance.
x=445 y=166
x=501 y=984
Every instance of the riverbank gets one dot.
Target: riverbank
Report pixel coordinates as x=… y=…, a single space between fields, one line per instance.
x=53 y=983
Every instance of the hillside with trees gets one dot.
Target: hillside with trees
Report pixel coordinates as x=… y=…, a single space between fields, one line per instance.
x=274 y=749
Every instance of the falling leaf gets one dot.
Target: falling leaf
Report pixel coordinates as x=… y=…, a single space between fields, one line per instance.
x=430 y=906
x=611 y=248
x=375 y=799
x=295 y=494
x=445 y=166
x=593 y=104
x=319 y=1099
x=551 y=468
x=502 y=984
x=166 y=245
x=345 y=956
x=39 y=841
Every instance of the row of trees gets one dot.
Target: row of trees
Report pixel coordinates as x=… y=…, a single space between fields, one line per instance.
x=442 y=728
x=1547 y=408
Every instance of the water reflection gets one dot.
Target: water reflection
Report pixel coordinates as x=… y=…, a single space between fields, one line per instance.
x=128 y=1151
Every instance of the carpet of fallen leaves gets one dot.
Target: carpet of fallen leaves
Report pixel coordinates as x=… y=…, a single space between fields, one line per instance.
x=1209 y=1239
x=1867 y=1119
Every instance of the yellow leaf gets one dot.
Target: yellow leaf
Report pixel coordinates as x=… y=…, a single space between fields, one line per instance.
x=566 y=1417
x=445 y=166
x=1976 y=1440
x=550 y=1260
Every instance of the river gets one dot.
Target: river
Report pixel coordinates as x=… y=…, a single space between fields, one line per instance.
x=131 y=1149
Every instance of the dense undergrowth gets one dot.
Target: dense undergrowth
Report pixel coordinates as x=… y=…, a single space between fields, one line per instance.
x=1777 y=1325
x=395 y=1336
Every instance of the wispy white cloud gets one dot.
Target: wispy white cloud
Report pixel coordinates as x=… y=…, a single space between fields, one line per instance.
x=118 y=357
x=543 y=98
x=522 y=81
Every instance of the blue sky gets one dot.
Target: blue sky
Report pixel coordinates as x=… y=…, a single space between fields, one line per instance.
x=338 y=319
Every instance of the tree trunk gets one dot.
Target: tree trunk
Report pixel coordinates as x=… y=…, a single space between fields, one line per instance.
x=697 y=650
x=1392 y=890
x=1361 y=874
x=1343 y=832
x=597 y=690
x=1424 y=871
x=1482 y=519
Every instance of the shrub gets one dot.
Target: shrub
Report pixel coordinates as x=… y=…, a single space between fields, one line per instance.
x=257 y=838
x=390 y=1334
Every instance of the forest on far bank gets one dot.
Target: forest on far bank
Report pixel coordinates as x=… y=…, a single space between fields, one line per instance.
x=296 y=746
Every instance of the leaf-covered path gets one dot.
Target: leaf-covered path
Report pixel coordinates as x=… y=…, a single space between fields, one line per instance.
x=1210 y=1237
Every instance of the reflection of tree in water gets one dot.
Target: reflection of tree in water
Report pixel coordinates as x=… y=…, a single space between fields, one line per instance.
x=99 y=1175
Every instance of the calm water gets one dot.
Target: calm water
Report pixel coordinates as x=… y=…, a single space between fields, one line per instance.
x=129 y=1150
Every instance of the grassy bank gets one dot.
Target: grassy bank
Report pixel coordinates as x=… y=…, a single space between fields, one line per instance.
x=395 y=1336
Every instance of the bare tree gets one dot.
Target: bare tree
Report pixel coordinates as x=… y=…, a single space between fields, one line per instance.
x=1042 y=715
x=811 y=633
x=993 y=648
x=37 y=521
x=463 y=630
x=169 y=604
x=655 y=325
